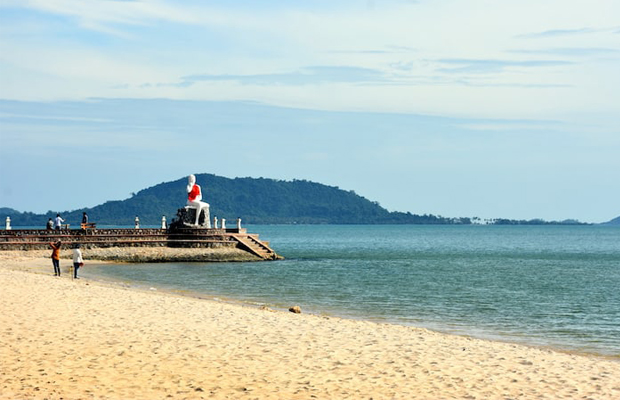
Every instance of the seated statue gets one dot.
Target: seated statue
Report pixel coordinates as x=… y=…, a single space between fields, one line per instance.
x=194 y=200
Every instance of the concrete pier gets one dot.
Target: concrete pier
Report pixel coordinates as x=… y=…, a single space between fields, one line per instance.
x=39 y=239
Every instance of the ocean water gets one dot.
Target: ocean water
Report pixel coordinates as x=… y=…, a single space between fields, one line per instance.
x=550 y=286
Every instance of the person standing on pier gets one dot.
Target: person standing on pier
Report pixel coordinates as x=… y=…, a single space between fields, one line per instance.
x=56 y=256
x=58 y=222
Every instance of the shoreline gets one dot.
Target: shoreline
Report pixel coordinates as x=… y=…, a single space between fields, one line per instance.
x=280 y=308
x=137 y=255
x=87 y=339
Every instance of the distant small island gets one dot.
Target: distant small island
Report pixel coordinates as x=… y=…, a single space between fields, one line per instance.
x=258 y=201
x=615 y=221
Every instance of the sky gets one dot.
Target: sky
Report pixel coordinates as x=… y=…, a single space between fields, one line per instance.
x=459 y=108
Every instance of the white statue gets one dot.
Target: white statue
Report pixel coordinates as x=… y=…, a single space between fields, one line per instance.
x=194 y=200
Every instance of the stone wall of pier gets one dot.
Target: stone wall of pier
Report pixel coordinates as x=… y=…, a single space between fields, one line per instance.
x=35 y=239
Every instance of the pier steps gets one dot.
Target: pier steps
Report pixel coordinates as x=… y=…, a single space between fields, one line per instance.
x=259 y=248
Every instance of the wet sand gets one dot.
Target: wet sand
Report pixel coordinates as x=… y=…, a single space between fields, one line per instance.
x=78 y=339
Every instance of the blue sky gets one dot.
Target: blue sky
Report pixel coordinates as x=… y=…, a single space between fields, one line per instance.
x=450 y=107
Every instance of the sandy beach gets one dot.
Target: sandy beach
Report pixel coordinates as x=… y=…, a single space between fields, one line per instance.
x=78 y=339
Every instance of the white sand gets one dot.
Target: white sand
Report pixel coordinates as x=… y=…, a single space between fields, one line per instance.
x=65 y=339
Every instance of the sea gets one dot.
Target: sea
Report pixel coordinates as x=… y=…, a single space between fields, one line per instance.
x=547 y=286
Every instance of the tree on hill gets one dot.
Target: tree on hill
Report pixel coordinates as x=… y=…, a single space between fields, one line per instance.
x=255 y=200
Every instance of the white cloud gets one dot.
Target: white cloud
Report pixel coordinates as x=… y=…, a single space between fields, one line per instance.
x=93 y=13
x=146 y=48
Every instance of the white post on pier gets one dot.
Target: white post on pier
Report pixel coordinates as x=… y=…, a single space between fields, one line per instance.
x=239 y=223
x=215 y=222
x=8 y=223
x=223 y=223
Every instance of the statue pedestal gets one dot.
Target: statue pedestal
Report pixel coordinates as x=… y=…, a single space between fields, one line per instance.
x=187 y=217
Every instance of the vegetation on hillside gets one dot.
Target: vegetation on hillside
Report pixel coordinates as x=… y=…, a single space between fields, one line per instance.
x=255 y=200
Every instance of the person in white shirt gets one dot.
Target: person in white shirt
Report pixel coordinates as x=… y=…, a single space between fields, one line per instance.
x=57 y=222
x=77 y=260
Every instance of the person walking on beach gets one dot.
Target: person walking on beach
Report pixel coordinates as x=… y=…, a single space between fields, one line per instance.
x=57 y=222
x=77 y=260
x=56 y=257
x=84 y=218
x=50 y=224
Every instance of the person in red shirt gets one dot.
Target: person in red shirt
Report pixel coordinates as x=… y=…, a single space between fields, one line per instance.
x=194 y=199
x=56 y=256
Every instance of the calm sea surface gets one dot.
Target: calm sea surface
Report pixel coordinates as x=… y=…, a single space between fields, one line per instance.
x=556 y=286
